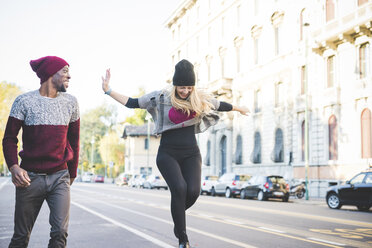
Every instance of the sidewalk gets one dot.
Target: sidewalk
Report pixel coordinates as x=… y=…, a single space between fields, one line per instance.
x=311 y=201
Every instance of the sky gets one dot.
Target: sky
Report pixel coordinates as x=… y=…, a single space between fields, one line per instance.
x=127 y=36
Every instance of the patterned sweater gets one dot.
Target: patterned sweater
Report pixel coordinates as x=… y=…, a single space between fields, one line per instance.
x=51 y=129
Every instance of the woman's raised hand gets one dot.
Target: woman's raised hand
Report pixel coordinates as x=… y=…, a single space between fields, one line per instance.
x=106 y=81
x=243 y=110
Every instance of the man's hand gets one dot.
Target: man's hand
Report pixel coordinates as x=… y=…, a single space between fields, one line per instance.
x=19 y=176
x=72 y=180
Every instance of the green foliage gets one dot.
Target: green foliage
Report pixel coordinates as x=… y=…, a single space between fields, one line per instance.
x=8 y=93
x=139 y=116
x=94 y=125
x=111 y=149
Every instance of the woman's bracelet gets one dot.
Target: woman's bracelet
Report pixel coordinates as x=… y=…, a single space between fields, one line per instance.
x=108 y=92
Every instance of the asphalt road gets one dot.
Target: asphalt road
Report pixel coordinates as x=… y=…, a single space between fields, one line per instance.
x=109 y=216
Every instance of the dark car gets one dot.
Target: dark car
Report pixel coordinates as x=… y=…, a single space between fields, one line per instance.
x=355 y=192
x=264 y=187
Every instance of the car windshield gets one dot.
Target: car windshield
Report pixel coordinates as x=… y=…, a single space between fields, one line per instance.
x=211 y=178
x=279 y=180
x=243 y=177
x=368 y=178
x=357 y=179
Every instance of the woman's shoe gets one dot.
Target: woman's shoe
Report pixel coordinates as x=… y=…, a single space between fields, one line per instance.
x=184 y=245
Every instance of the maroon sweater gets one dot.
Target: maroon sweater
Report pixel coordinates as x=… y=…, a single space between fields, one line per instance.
x=51 y=128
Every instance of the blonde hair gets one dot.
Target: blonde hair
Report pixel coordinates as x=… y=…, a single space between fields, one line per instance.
x=198 y=101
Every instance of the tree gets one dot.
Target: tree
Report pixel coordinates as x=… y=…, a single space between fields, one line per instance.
x=94 y=125
x=8 y=93
x=138 y=118
x=111 y=149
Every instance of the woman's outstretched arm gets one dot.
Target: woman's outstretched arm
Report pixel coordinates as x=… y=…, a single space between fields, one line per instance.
x=106 y=88
x=243 y=110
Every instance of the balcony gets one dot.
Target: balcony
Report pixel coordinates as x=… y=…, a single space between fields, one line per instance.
x=221 y=87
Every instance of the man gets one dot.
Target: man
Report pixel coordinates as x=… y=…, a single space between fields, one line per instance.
x=50 y=121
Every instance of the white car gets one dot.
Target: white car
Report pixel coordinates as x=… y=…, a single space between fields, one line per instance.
x=155 y=182
x=87 y=177
x=207 y=183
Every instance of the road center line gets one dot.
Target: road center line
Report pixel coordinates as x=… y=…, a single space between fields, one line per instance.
x=270 y=229
x=326 y=241
x=130 y=229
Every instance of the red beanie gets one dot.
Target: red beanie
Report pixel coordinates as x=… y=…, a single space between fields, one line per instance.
x=46 y=67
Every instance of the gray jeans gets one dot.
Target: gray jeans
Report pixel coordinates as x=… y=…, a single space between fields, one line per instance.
x=55 y=189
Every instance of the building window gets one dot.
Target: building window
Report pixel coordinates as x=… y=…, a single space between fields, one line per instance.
x=238 y=16
x=303 y=79
x=209 y=36
x=238 y=59
x=276 y=35
x=330 y=71
x=256 y=7
x=222 y=67
x=208 y=155
x=239 y=150
x=330 y=10
x=197 y=44
x=361 y=2
x=257 y=101
x=278 y=152
x=303 y=141
x=279 y=94
x=222 y=27
x=146 y=143
x=332 y=138
x=302 y=24
x=363 y=60
x=256 y=155
x=366 y=134
x=256 y=51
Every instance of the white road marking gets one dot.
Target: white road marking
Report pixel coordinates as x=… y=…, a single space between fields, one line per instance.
x=326 y=241
x=227 y=240
x=270 y=229
x=3 y=183
x=233 y=221
x=130 y=229
x=6 y=237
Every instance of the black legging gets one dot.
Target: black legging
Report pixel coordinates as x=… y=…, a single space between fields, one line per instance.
x=180 y=165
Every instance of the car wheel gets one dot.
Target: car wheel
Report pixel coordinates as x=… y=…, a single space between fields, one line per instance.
x=228 y=193
x=213 y=192
x=243 y=194
x=300 y=194
x=260 y=196
x=363 y=208
x=285 y=198
x=333 y=201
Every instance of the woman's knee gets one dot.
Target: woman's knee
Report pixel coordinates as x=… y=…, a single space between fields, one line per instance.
x=179 y=189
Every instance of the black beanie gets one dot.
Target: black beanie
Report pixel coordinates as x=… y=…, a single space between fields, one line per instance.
x=184 y=74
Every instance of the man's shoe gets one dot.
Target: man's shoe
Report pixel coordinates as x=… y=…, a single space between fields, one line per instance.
x=184 y=245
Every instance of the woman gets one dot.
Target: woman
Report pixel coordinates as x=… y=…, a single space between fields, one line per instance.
x=178 y=114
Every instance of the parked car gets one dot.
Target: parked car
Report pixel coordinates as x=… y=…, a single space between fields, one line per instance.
x=122 y=179
x=131 y=181
x=87 y=177
x=99 y=179
x=140 y=180
x=265 y=187
x=207 y=183
x=356 y=192
x=229 y=184
x=155 y=182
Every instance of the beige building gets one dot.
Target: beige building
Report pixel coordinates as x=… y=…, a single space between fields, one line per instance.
x=271 y=56
x=140 y=152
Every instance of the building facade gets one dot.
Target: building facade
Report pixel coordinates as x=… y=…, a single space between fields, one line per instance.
x=304 y=70
x=141 y=147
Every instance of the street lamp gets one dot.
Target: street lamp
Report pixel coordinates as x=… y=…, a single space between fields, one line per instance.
x=91 y=154
x=148 y=118
x=307 y=26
